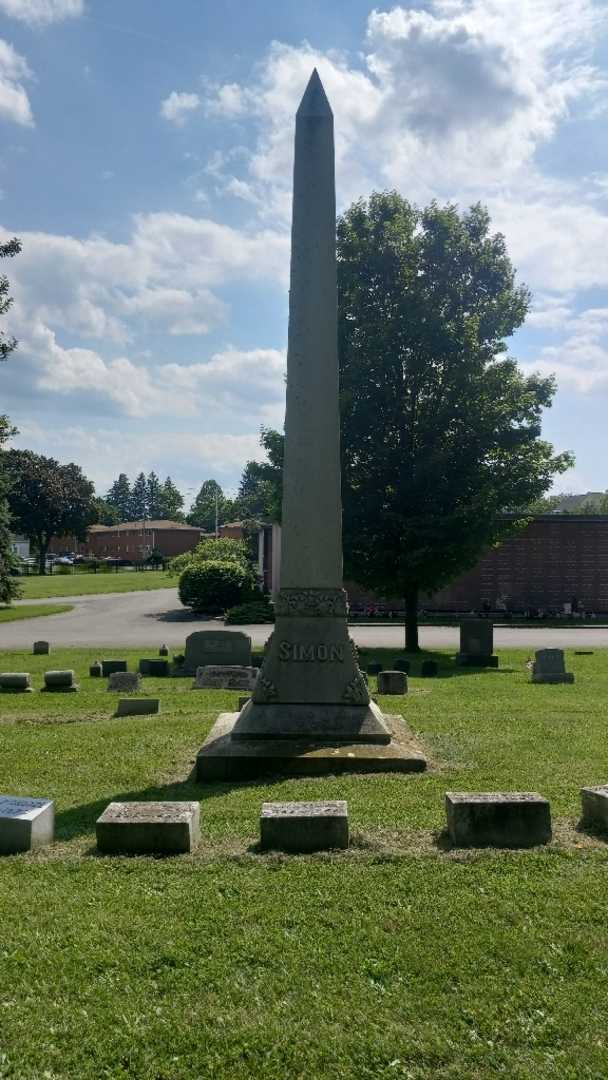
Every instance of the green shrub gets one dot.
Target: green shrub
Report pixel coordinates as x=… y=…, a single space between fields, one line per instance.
x=62 y=569
x=215 y=585
x=222 y=549
x=256 y=611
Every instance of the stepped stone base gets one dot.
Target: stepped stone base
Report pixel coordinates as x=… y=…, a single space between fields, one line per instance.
x=332 y=723
x=223 y=757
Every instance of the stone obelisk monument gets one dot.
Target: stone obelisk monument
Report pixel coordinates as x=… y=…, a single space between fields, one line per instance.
x=310 y=692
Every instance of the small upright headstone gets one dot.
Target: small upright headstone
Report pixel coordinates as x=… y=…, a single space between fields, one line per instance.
x=41 y=648
x=137 y=706
x=96 y=669
x=303 y=826
x=168 y=828
x=401 y=663
x=16 y=681
x=225 y=677
x=429 y=669
x=216 y=647
x=164 y=650
x=497 y=819
x=109 y=666
x=25 y=823
x=476 y=644
x=61 y=681
x=392 y=682
x=155 y=667
x=595 y=806
x=549 y=667
x=125 y=682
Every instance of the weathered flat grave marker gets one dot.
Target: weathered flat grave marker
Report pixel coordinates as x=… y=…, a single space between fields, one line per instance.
x=205 y=647
x=126 y=682
x=25 y=824
x=62 y=682
x=225 y=677
x=137 y=706
x=16 y=681
x=304 y=826
x=595 y=805
x=41 y=648
x=476 y=644
x=392 y=682
x=110 y=666
x=549 y=667
x=497 y=819
x=164 y=828
x=154 y=666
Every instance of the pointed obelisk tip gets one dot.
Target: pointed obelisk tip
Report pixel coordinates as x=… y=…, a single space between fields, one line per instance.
x=314 y=102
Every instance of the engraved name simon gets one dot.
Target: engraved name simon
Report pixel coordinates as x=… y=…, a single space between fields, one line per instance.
x=294 y=651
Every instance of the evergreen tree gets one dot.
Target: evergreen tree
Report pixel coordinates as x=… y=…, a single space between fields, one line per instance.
x=203 y=509
x=154 y=496
x=119 y=496
x=107 y=513
x=171 y=501
x=139 y=499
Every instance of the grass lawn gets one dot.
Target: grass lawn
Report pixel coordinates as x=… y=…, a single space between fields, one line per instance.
x=32 y=611
x=81 y=584
x=399 y=958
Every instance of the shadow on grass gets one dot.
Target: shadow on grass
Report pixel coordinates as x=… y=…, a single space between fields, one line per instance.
x=446 y=664
x=178 y=615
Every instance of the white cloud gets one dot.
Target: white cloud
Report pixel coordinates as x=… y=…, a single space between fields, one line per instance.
x=42 y=12
x=177 y=106
x=14 y=71
x=580 y=361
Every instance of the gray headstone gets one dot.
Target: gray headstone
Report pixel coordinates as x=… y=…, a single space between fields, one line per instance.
x=109 y=666
x=19 y=681
x=61 y=681
x=168 y=828
x=304 y=826
x=137 y=707
x=96 y=669
x=163 y=651
x=41 y=648
x=549 y=667
x=392 y=682
x=156 y=667
x=476 y=644
x=498 y=819
x=222 y=647
x=25 y=823
x=126 y=682
x=595 y=805
x=225 y=677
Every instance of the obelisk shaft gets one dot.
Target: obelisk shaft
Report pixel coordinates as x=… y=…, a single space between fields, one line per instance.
x=311 y=547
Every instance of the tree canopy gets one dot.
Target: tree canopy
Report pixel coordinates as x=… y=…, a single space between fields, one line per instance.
x=8 y=585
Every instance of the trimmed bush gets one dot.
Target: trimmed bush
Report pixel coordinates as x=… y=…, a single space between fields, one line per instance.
x=257 y=611
x=213 y=586
x=222 y=549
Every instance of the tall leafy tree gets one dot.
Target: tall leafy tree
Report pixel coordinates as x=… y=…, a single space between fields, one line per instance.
x=440 y=428
x=107 y=513
x=203 y=510
x=47 y=499
x=119 y=496
x=139 y=499
x=8 y=585
x=171 y=501
x=259 y=494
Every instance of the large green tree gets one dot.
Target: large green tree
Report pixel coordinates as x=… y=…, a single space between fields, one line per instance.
x=47 y=499
x=119 y=496
x=259 y=494
x=210 y=504
x=8 y=585
x=138 y=509
x=171 y=501
x=440 y=428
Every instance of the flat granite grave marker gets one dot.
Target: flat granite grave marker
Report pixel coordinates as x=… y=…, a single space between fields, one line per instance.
x=392 y=682
x=498 y=818
x=139 y=828
x=25 y=823
x=61 y=682
x=476 y=644
x=125 y=682
x=218 y=647
x=225 y=677
x=549 y=667
x=304 y=826
x=19 y=682
x=110 y=666
x=156 y=667
x=137 y=706
x=595 y=805
x=41 y=648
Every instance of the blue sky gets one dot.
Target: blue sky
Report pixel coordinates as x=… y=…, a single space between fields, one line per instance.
x=146 y=167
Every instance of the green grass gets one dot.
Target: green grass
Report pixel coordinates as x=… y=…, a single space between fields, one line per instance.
x=398 y=958
x=32 y=611
x=81 y=584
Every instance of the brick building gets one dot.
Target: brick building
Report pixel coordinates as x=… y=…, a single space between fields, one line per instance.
x=133 y=540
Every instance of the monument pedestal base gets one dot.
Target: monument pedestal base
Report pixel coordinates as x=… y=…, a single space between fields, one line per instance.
x=223 y=757
x=331 y=723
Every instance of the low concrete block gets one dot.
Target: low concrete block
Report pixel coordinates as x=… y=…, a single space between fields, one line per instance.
x=109 y=666
x=19 y=682
x=126 y=682
x=156 y=667
x=96 y=669
x=137 y=706
x=595 y=806
x=61 y=681
x=163 y=828
x=429 y=669
x=41 y=648
x=25 y=823
x=401 y=663
x=498 y=819
x=304 y=826
x=392 y=682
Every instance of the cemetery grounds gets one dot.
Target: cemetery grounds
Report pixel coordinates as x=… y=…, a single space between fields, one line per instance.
x=396 y=958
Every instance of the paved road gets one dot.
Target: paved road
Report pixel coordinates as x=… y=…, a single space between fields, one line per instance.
x=150 y=618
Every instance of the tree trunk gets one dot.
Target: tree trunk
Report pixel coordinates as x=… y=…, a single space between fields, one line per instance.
x=42 y=551
x=411 y=619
